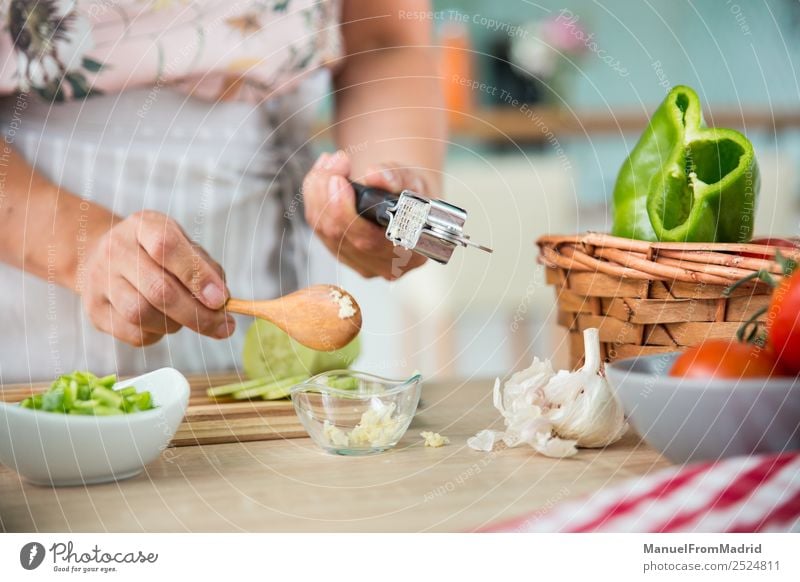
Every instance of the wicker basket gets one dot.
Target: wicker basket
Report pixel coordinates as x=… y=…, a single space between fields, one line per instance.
x=648 y=298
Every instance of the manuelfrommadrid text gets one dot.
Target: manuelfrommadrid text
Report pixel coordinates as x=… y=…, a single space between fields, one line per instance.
x=695 y=549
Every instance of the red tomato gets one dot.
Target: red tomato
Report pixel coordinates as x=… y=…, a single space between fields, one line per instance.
x=784 y=243
x=725 y=359
x=783 y=323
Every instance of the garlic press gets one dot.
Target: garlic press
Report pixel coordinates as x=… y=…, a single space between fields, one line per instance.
x=430 y=227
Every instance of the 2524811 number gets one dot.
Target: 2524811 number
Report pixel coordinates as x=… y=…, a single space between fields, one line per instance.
x=751 y=565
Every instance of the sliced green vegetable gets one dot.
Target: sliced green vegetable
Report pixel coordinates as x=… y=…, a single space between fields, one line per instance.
x=84 y=393
x=271 y=354
x=70 y=394
x=343 y=382
x=229 y=389
x=107 y=381
x=139 y=401
x=279 y=392
x=107 y=396
x=85 y=405
x=33 y=402
x=53 y=400
x=97 y=410
x=271 y=390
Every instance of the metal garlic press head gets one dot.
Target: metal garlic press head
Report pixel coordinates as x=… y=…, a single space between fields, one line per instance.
x=432 y=228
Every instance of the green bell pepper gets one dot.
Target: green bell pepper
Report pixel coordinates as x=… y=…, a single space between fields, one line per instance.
x=685 y=182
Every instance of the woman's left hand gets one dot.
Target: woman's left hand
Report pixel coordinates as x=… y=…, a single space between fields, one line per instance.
x=330 y=209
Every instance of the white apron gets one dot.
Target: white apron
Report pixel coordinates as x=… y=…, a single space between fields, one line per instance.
x=229 y=173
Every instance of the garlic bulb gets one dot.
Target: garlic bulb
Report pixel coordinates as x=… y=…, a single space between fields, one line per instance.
x=587 y=410
x=556 y=412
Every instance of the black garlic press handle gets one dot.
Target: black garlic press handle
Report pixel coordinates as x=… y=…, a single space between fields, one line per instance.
x=373 y=203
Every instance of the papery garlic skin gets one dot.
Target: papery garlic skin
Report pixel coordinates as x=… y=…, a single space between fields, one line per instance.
x=556 y=413
x=484 y=440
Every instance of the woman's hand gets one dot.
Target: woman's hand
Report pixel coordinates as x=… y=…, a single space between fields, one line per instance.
x=145 y=279
x=330 y=209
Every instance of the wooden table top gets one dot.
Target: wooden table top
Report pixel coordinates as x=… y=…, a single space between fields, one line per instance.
x=290 y=485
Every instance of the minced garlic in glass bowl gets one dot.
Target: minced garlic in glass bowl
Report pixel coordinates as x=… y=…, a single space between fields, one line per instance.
x=354 y=413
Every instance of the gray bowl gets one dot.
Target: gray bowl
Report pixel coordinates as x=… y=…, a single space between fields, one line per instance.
x=691 y=420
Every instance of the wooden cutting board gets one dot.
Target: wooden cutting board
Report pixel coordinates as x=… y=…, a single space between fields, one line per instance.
x=212 y=421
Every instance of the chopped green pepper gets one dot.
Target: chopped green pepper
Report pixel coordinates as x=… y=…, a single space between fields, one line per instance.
x=107 y=396
x=85 y=393
x=34 y=402
x=686 y=182
x=53 y=400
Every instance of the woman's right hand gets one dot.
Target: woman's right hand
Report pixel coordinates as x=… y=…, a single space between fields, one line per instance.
x=145 y=278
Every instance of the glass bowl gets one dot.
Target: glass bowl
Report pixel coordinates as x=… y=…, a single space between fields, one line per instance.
x=354 y=413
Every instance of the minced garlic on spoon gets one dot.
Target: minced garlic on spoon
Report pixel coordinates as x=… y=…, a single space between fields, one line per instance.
x=344 y=302
x=556 y=412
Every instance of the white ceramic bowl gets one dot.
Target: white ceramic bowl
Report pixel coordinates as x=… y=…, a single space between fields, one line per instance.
x=47 y=448
x=690 y=420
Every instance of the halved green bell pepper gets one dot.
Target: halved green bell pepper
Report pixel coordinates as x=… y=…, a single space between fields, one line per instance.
x=685 y=182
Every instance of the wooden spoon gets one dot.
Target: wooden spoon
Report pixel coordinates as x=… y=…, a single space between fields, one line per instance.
x=318 y=316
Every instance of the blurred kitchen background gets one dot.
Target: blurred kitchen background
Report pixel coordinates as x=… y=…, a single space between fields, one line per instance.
x=567 y=88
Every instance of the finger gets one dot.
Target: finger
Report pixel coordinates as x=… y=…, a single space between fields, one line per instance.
x=168 y=246
x=166 y=294
x=315 y=184
x=314 y=196
x=390 y=263
x=352 y=260
x=110 y=321
x=336 y=163
x=388 y=268
x=340 y=219
x=135 y=309
x=395 y=178
x=360 y=237
x=394 y=266
x=216 y=266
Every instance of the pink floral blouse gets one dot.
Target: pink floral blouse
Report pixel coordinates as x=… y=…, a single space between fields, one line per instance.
x=217 y=50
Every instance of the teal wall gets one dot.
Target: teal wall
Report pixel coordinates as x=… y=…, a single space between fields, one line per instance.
x=745 y=51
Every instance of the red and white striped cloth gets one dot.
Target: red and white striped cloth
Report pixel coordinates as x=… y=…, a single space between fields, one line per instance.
x=742 y=494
